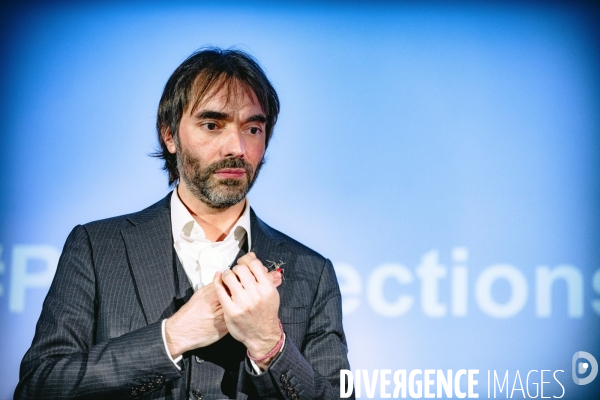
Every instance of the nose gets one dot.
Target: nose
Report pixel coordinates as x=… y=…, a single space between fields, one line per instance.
x=233 y=145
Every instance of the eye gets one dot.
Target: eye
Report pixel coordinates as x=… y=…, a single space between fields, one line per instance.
x=255 y=130
x=211 y=126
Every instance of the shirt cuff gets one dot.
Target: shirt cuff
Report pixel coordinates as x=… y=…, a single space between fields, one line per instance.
x=164 y=337
x=255 y=367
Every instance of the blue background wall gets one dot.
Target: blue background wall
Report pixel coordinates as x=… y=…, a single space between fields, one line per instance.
x=414 y=140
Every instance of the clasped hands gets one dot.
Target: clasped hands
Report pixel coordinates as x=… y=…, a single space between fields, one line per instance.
x=242 y=301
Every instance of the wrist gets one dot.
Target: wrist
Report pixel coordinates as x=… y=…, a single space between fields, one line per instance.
x=173 y=344
x=267 y=350
x=261 y=346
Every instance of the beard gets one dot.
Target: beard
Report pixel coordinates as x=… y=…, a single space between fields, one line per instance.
x=206 y=187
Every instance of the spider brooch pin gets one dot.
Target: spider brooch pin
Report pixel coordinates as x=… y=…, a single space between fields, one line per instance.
x=274 y=265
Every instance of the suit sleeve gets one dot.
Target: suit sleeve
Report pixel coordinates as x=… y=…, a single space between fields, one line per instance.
x=64 y=360
x=312 y=372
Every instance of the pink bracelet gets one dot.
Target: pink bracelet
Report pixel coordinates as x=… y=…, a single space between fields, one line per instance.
x=272 y=352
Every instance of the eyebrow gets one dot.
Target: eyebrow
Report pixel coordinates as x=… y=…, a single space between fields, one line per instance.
x=257 y=118
x=221 y=116
x=206 y=114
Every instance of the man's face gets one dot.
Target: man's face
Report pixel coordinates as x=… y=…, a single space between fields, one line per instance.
x=220 y=146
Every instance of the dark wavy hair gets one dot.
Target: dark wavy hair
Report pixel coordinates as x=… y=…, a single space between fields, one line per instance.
x=207 y=69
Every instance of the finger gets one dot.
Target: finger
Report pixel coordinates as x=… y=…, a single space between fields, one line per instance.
x=210 y=291
x=277 y=277
x=247 y=281
x=221 y=292
x=260 y=272
x=256 y=266
x=247 y=258
x=245 y=277
x=230 y=279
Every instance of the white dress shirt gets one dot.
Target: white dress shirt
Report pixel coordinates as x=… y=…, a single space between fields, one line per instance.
x=201 y=257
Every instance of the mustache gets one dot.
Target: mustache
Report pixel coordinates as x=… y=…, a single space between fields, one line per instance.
x=230 y=163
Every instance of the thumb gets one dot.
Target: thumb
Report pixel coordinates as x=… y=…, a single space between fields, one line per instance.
x=277 y=277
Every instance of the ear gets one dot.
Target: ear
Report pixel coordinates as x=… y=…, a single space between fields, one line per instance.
x=169 y=140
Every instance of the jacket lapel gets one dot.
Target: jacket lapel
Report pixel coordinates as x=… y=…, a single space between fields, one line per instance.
x=149 y=246
x=270 y=247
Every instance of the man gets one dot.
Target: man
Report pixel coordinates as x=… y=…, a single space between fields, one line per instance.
x=146 y=305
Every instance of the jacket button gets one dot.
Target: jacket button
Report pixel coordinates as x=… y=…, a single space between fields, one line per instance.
x=287 y=385
x=295 y=396
x=199 y=360
x=142 y=388
x=159 y=380
x=150 y=384
x=134 y=393
x=290 y=392
x=283 y=378
x=197 y=394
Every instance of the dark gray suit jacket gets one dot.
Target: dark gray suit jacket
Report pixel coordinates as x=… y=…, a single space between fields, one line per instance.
x=99 y=334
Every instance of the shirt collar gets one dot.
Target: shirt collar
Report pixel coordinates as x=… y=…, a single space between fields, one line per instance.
x=181 y=220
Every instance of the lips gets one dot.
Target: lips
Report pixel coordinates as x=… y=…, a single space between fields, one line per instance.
x=231 y=173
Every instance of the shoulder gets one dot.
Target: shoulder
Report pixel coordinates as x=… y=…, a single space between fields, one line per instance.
x=158 y=210
x=101 y=240
x=109 y=229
